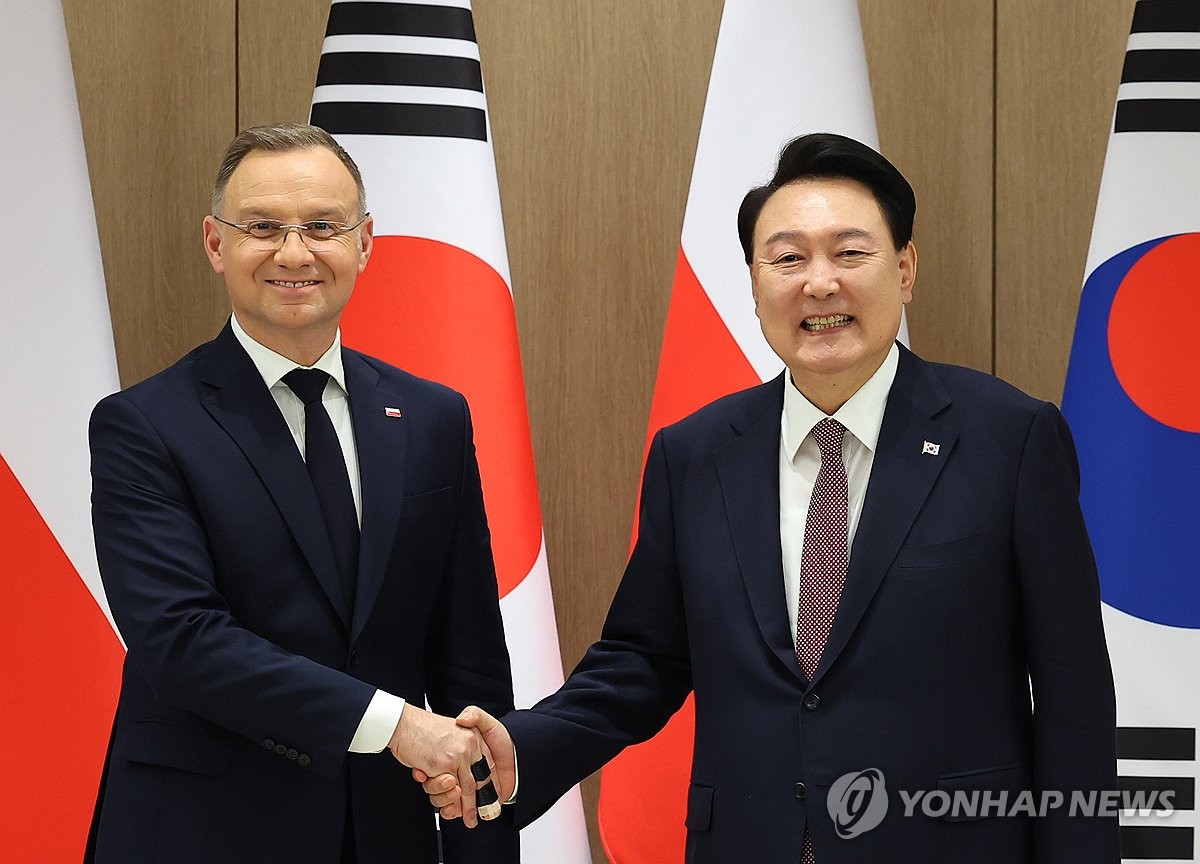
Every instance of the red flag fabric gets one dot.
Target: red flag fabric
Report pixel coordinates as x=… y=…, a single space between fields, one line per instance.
x=59 y=655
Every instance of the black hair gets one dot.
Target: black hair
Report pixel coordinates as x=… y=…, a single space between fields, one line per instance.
x=826 y=155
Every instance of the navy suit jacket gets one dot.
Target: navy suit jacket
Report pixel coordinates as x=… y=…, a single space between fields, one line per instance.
x=971 y=579
x=246 y=675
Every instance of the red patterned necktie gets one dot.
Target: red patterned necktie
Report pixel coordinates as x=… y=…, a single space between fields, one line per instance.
x=825 y=555
x=823 y=561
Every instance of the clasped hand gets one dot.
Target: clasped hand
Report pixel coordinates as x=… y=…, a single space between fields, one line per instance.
x=446 y=788
x=438 y=747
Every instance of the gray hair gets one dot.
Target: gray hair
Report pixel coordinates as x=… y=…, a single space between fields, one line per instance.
x=281 y=138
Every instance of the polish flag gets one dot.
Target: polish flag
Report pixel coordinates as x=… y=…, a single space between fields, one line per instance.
x=401 y=88
x=782 y=68
x=1131 y=400
x=60 y=656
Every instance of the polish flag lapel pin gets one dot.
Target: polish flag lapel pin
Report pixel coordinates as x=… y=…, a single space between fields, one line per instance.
x=393 y=412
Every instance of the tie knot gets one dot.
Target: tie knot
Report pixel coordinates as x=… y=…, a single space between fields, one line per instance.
x=308 y=384
x=828 y=435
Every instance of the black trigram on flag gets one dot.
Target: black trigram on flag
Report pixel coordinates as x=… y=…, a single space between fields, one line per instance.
x=1158 y=746
x=391 y=68
x=1160 y=89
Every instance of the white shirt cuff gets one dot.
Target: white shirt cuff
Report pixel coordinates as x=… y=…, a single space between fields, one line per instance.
x=378 y=723
x=512 y=799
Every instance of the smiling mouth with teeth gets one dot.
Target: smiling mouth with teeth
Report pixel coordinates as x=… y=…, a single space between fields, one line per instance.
x=825 y=322
x=302 y=284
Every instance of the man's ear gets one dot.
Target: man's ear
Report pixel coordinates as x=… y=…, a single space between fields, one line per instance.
x=366 y=242
x=908 y=271
x=212 y=244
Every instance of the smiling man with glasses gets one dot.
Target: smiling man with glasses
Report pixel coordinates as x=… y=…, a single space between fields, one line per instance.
x=292 y=538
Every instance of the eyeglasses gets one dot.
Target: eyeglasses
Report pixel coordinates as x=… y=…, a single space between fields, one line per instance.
x=271 y=233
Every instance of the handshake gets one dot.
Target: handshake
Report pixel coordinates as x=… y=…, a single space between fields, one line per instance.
x=466 y=765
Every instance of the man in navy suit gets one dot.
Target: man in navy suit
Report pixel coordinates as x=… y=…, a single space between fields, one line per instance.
x=871 y=569
x=283 y=637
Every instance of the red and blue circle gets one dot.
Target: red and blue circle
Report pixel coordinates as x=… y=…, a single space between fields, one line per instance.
x=1132 y=399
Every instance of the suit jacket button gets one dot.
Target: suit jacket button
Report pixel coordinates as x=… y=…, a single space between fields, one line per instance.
x=281 y=749
x=292 y=753
x=811 y=701
x=304 y=760
x=800 y=791
x=355 y=658
x=269 y=743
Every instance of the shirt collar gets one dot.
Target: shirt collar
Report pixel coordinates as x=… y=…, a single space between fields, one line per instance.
x=862 y=414
x=272 y=366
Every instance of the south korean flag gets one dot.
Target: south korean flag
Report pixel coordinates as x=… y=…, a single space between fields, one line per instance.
x=1133 y=401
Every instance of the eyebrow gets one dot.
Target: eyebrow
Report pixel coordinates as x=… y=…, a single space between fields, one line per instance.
x=324 y=215
x=844 y=234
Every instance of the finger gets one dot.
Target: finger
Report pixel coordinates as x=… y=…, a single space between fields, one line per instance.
x=420 y=776
x=442 y=800
x=482 y=801
x=486 y=798
x=453 y=811
x=470 y=815
x=474 y=717
x=466 y=782
x=440 y=784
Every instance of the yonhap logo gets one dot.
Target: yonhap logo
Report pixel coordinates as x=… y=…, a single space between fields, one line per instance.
x=857 y=802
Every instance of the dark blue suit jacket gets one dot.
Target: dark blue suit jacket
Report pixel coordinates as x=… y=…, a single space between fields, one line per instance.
x=246 y=675
x=971 y=577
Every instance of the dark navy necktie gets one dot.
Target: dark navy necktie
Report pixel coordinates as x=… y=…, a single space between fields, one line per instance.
x=327 y=468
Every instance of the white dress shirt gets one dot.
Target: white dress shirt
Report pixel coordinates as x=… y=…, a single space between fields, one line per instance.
x=800 y=460
x=383 y=713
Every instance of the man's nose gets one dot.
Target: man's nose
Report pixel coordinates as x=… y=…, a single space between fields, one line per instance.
x=822 y=278
x=293 y=252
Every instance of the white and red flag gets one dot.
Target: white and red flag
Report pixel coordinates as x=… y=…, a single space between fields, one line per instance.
x=400 y=86
x=60 y=657
x=782 y=68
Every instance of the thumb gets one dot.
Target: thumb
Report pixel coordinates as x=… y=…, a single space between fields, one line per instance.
x=474 y=717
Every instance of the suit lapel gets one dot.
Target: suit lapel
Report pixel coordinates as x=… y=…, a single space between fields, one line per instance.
x=240 y=403
x=901 y=476
x=381 y=440
x=748 y=468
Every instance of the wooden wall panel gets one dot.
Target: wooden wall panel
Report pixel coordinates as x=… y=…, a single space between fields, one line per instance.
x=1058 y=66
x=931 y=78
x=279 y=47
x=156 y=95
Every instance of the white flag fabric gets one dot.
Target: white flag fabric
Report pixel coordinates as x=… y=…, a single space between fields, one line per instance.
x=400 y=86
x=59 y=655
x=782 y=68
x=1132 y=398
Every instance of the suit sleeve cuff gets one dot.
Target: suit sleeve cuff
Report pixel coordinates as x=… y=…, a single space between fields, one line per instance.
x=378 y=723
